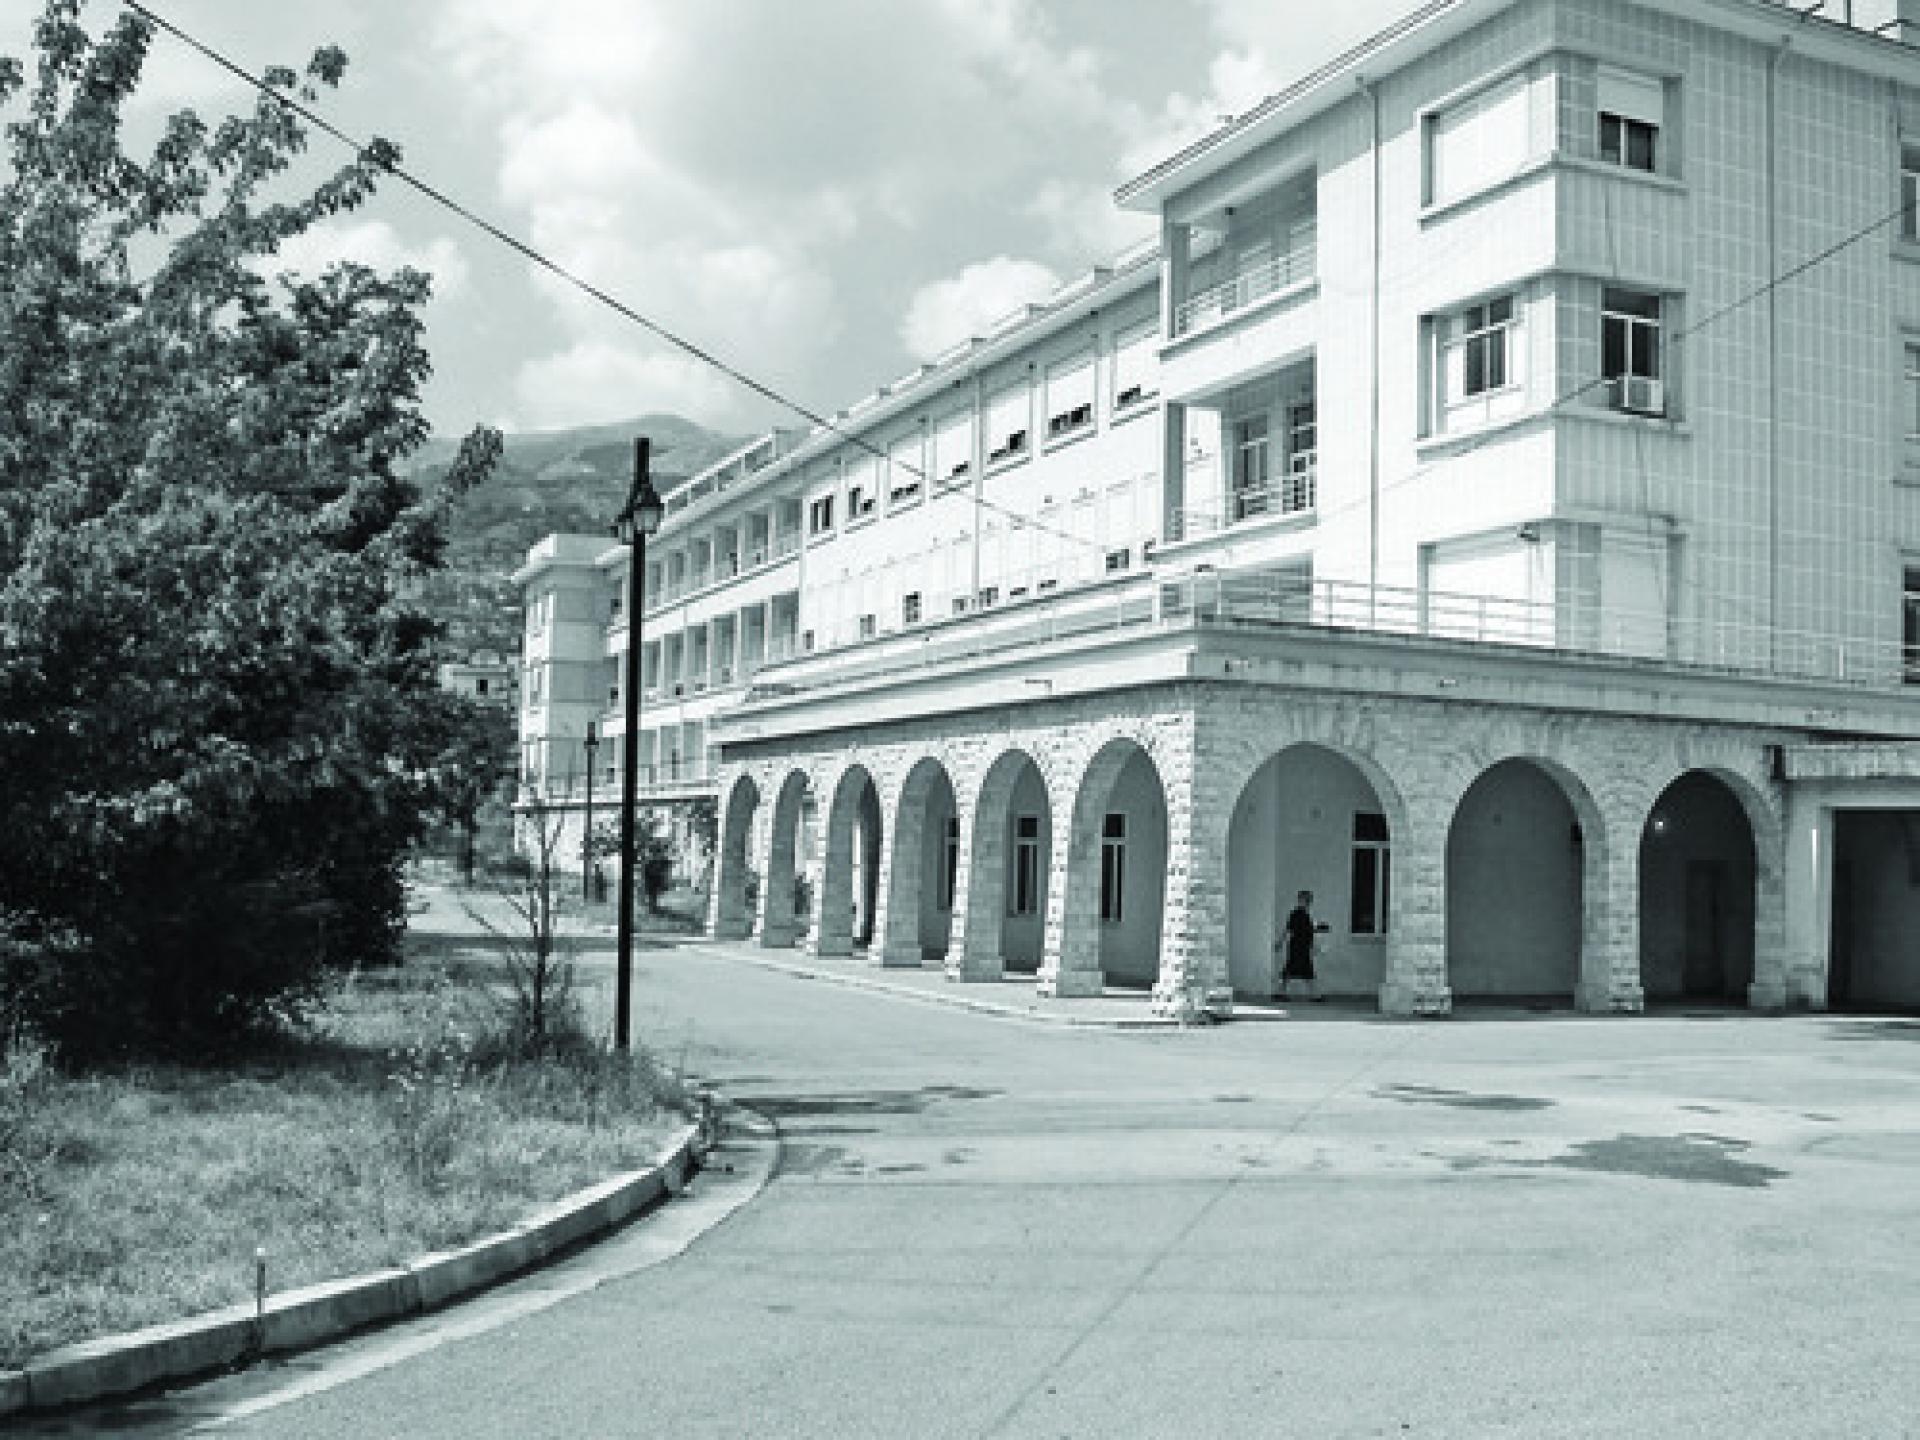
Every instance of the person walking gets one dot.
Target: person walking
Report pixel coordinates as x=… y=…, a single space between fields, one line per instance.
x=1296 y=941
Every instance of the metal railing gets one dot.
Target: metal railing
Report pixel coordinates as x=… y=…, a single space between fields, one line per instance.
x=1298 y=263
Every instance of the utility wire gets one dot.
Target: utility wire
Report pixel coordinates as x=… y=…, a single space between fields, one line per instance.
x=554 y=267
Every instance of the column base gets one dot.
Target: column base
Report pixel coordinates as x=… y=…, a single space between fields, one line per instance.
x=829 y=947
x=1767 y=996
x=1070 y=984
x=903 y=957
x=972 y=969
x=1609 y=999
x=1193 y=1006
x=776 y=937
x=732 y=929
x=1409 y=1001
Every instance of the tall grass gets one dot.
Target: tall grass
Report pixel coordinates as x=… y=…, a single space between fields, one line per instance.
x=406 y=1120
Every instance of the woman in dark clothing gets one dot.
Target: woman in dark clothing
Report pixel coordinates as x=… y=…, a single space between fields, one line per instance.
x=1297 y=940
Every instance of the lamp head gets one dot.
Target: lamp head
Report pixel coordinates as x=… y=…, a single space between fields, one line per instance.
x=644 y=509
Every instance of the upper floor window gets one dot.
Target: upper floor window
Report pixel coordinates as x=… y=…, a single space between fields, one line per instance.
x=1069 y=396
x=903 y=473
x=1910 y=624
x=1371 y=878
x=1631 y=345
x=910 y=608
x=1135 y=367
x=1007 y=419
x=1478 y=141
x=1113 y=867
x=1478 y=362
x=1632 y=109
x=953 y=449
x=1910 y=190
x=1911 y=394
x=820 y=514
x=860 y=502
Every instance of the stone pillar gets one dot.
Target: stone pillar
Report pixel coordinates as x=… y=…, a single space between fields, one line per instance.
x=1173 y=471
x=1609 y=981
x=979 y=890
x=1193 y=980
x=896 y=921
x=1070 y=954
x=1416 y=978
x=1796 y=972
x=832 y=879
x=776 y=872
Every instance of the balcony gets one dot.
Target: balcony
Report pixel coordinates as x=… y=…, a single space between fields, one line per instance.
x=1294 y=493
x=1296 y=265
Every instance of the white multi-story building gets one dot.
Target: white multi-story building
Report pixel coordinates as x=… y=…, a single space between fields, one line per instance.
x=1494 y=505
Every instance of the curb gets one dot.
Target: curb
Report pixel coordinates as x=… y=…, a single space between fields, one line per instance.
x=962 y=1002
x=299 y=1319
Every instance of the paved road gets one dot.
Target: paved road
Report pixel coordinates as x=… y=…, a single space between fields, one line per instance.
x=1329 y=1226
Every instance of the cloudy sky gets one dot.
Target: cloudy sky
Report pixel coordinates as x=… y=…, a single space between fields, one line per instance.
x=825 y=192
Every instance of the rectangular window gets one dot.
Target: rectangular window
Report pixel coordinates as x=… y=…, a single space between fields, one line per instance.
x=869 y=626
x=953 y=450
x=1371 y=871
x=903 y=474
x=820 y=515
x=1303 y=459
x=1135 y=367
x=1252 y=474
x=1479 y=363
x=1113 y=867
x=1910 y=190
x=1912 y=393
x=1069 y=396
x=949 y=864
x=859 y=503
x=989 y=595
x=1632 y=110
x=1007 y=418
x=1024 y=897
x=1119 y=560
x=1478 y=142
x=1910 y=625
x=910 y=608
x=1630 y=351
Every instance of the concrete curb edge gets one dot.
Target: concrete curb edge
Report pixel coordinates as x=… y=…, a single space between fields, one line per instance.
x=299 y=1319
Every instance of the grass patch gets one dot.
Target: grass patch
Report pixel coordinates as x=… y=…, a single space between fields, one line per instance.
x=400 y=1123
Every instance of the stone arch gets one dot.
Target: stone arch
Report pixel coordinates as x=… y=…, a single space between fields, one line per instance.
x=1105 y=916
x=793 y=805
x=923 y=867
x=1006 y=890
x=732 y=917
x=1318 y=816
x=1526 y=885
x=1703 y=891
x=849 y=864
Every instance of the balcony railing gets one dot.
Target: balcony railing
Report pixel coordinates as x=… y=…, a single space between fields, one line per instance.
x=1298 y=263
x=1294 y=493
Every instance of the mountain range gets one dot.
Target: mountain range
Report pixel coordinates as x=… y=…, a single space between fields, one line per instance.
x=557 y=480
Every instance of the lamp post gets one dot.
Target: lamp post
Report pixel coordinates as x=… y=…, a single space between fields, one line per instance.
x=634 y=524
x=592 y=746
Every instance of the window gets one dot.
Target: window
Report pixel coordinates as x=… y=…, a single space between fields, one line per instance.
x=953 y=449
x=1069 y=396
x=1135 y=367
x=1912 y=397
x=869 y=626
x=806 y=640
x=903 y=473
x=1371 y=869
x=989 y=595
x=1251 y=476
x=1632 y=110
x=1910 y=624
x=480 y=685
x=820 y=515
x=1478 y=369
x=1478 y=142
x=859 y=503
x=910 y=608
x=1910 y=190
x=1119 y=560
x=949 y=864
x=1113 y=867
x=1630 y=359
x=1303 y=459
x=1007 y=424
x=1025 y=889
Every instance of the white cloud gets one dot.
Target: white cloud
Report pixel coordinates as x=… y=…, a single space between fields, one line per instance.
x=946 y=312
x=597 y=380
x=377 y=245
x=1083 y=223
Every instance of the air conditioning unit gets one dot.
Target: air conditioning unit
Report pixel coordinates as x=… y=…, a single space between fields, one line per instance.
x=1639 y=395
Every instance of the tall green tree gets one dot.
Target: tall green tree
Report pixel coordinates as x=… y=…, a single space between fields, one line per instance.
x=217 y=705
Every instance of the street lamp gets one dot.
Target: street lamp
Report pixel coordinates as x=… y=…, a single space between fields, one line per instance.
x=592 y=745
x=633 y=525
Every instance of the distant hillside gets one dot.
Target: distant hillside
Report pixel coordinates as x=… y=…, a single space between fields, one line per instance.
x=567 y=480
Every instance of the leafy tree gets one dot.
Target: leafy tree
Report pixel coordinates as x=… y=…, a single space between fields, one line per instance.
x=477 y=753
x=655 y=863
x=216 y=714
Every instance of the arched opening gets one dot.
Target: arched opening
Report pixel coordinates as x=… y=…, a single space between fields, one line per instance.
x=1011 y=856
x=1517 y=857
x=732 y=899
x=850 y=865
x=925 y=868
x=785 y=907
x=1697 y=893
x=1310 y=818
x=1116 y=874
